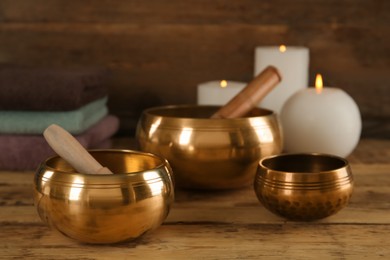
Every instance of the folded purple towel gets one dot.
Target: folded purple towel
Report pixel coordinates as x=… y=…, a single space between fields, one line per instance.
x=50 y=89
x=26 y=152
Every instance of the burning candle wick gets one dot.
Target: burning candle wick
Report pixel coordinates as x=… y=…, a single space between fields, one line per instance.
x=282 y=48
x=223 y=83
x=319 y=83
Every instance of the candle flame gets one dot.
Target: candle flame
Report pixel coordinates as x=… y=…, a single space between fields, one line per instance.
x=223 y=84
x=319 y=84
x=282 y=48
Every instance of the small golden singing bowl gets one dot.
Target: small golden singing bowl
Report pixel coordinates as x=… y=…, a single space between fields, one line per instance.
x=105 y=209
x=209 y=153
x=304 y=186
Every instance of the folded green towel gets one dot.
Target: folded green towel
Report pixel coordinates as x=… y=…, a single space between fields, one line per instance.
x=33 y=122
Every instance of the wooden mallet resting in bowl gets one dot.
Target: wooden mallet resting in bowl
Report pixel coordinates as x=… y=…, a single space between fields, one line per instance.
x=251 y=95
x=66 y=146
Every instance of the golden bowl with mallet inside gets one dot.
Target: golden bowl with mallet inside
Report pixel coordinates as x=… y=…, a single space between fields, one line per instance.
x=104 y=209
x=209 y=153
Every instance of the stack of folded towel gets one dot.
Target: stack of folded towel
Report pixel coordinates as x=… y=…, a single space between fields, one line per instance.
x=33 y=99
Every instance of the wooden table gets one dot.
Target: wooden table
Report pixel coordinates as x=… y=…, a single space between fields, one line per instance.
x=220 y=225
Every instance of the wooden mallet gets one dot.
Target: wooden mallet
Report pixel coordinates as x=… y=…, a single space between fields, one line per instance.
x=66 y=146
x=251 y=95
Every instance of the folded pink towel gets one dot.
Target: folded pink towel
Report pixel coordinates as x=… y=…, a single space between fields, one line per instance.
x=47 y=89
x=26 y=152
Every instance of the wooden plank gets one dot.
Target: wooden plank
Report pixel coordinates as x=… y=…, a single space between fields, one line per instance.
x=219 y=225
x=163 y=64
x=200 y=241
x=197 y=11
x=360 y=211
x=372 y=151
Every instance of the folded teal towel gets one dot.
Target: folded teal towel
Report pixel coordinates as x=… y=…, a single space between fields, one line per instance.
x=33 y=122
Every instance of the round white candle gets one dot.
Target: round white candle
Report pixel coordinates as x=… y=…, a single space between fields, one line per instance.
x=321 y=122
x=212 y=93
x=293 y=65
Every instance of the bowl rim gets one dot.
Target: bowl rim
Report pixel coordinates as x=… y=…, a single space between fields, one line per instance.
x=332 y=156
x=163 y=163
x=152 y=116
x=149 y=111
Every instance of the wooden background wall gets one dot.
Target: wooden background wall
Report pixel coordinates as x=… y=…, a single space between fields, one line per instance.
x=160 y=50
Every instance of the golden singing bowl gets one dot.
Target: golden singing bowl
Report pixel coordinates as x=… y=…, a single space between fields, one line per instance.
x=304 y=186
x=104 y=209
x=209 y=153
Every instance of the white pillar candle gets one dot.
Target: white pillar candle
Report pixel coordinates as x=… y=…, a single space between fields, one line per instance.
x=218 y=92
x=293 y=65
x=321 y=121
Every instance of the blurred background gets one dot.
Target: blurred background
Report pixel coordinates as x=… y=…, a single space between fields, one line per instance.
x=159 y=51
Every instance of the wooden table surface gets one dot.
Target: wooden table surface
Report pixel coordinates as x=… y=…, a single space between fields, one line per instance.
x=220 y=225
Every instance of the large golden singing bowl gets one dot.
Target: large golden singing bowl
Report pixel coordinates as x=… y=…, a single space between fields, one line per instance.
x=304 y=186
x=104 y=209
x=209 y=153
